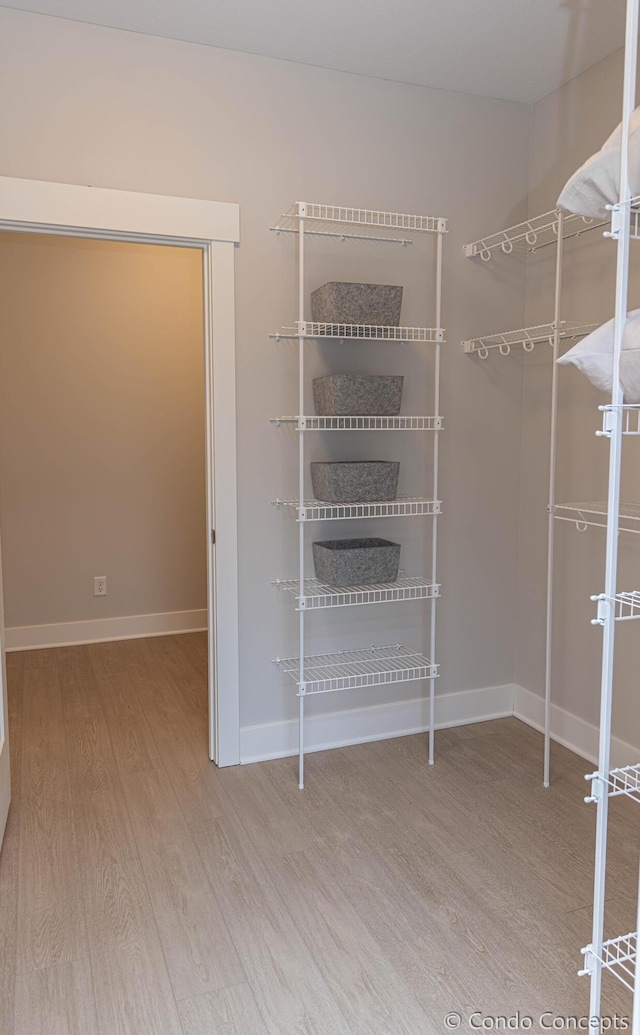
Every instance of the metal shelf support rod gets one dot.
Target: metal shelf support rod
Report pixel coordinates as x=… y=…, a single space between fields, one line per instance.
x=552 y=501
x=301 y=466
x=613 y=515
x=434 y=527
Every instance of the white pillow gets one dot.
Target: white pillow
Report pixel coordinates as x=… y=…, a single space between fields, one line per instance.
x=593 y=356
x=596 y=184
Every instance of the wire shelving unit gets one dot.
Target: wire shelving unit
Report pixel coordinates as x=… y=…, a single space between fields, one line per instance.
x=616 y=956
x=549 y=229
x=593 y=514
x=318 y=595
x=368 y=423
x=402 y=506
x=359 y=332
x=532 y=234
x=629 y=420
x=527 y=338
x=625 y=780
x=352 y=669
x=346 y=670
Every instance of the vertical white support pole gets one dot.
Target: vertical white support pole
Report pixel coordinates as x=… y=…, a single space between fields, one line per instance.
x=301 y=465
x=434 y=527
x=552 y=500
x=613 y=517
x=635 y=1026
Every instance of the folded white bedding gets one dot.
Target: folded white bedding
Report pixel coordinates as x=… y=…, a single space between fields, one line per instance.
x=593 y=356
x=596 y=184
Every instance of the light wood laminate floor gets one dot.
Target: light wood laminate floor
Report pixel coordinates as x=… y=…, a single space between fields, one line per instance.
x=145 y=892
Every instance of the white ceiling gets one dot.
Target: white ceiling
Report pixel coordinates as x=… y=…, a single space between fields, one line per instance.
x=519 y=50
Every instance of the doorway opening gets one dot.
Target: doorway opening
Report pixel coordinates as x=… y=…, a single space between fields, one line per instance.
x=212 y=228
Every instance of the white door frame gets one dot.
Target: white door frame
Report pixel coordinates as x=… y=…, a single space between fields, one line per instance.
x=60 y=208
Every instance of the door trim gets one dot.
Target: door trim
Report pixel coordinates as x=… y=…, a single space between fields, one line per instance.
x=36 y=206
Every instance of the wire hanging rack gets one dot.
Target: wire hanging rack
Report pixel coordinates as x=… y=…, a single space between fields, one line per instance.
x=526 y=337
x=532 y=234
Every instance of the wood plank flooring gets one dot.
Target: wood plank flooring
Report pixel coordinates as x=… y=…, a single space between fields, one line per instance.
x=145 y=892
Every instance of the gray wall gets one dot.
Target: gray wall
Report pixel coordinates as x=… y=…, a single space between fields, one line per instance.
x=102 y=468
x=121 y=110
x=568 y=126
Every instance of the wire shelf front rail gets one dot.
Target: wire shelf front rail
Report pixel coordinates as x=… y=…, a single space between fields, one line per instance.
x=618 y=957
x=584 y=515
x=403 y=506
x=357 y=223
x=368 y=423
x=359 y=332
x=623 y=607
x=318 y=595
x=349 y=670
x=630 y=419
x=532 y=234
x=625 y=780
x=527 y=337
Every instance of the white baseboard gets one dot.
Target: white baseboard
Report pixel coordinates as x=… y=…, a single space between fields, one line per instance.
x=101 y=630
x=570 y=730
x=374 y=722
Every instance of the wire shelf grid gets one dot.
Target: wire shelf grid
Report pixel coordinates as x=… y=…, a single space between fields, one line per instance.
x=618 y=956
x=349 y=670
x=584 y=515
x=402 y=506
x=630 y=415
x=622 y=607
x=318 y=595
x=357 y=223
x=625 y=780
x=527 y=337
x=359 y=332
x=369 y=423
x=532 y=234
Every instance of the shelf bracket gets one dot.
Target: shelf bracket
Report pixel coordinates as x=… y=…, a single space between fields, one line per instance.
x=302 y=603
x=607 y=423
x=597 y=787
x=302 y=513
x=616 y=222
x=604 y=609
x=589 y=961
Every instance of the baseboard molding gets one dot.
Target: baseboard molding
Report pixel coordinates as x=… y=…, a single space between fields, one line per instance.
x=101 y=630
x=570 y=730
x=374 y=722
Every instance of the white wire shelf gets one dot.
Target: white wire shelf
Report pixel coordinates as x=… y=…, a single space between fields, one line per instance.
x=348 y=670
x=528 y=236
x=318 y=595
x=630 y=419
x=526 y=337
x=586 y=514
x=359 y=332
x=618 y=956
x=403 y=506
x=622 y=607
x=369 y=423
x=357 y=223
x=619 y=781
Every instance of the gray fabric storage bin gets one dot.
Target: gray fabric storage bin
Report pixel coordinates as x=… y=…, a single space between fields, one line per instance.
x=342 y=302
x=361 y=395
x=356 y=562
x=359 y=481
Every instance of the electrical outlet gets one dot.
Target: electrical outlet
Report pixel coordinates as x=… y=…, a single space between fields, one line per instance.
x=100 y=585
